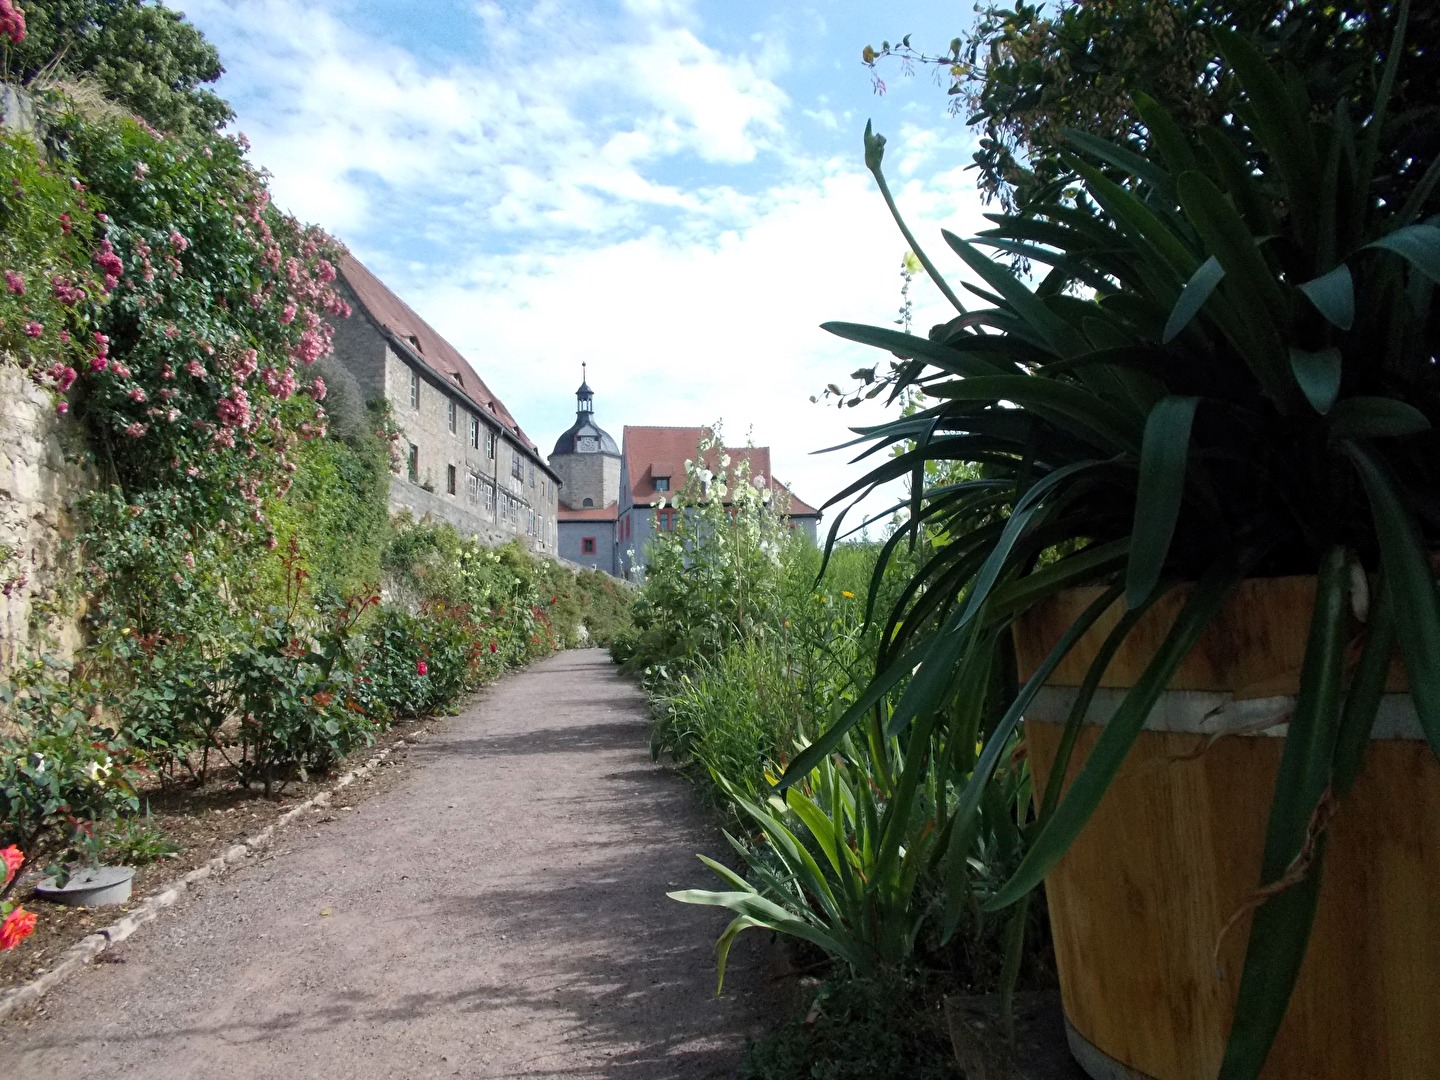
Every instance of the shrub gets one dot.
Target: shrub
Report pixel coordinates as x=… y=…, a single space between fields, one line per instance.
x=59 y=774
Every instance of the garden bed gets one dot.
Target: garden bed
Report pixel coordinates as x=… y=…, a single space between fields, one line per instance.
x=203 y=822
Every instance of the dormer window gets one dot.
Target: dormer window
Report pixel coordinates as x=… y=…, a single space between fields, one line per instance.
x=662 y=483
x=456 y=376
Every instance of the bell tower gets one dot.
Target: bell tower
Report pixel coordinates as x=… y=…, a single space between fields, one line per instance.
x=586 y=457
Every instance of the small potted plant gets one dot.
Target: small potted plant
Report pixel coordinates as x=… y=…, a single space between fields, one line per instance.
x=1190 y=503
x=87 y=881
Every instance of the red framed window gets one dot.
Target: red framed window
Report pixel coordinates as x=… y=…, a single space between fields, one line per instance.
x=587 y=545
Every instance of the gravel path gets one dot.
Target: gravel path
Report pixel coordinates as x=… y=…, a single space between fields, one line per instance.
x=500 y=912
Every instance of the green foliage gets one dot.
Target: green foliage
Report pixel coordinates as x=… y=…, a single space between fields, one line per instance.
x=44 y=239
x=1024 y=75
x=57 y=773
x=143 y=56
x=1201 y=389
x=336 y=512
x=862 y=1029
x=136 y=842
x=717 y=577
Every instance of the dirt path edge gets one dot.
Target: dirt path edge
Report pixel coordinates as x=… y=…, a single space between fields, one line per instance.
x=92 y=945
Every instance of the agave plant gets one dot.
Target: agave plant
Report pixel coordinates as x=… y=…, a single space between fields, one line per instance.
x=1224 y=372
x=847 y=860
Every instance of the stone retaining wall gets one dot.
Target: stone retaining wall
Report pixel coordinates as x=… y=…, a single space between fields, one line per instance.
x=43 y=470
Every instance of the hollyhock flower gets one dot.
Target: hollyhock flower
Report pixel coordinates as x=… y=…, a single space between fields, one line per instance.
x=13 y=860
x=14 y=282
x=420 y=668
x=19 y=924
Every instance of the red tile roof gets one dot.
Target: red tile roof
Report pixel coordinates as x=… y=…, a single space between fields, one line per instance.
x=588 y=513
x=662 y=451
x=421 y=340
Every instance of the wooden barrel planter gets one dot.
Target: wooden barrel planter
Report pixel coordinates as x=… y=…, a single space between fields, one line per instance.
x=1174 y=849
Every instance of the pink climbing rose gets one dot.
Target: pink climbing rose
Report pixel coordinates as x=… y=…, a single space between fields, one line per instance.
x=14 y=283
x=12 y=22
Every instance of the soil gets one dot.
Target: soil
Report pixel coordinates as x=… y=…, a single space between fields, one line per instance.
x=203 y=822
x=497 y=909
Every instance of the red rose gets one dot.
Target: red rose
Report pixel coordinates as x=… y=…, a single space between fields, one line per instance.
x=494 y=647
x=13 y=860
x=18 y=925
x=420 y=668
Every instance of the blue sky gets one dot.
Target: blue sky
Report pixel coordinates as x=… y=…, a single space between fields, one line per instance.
x=671 y=190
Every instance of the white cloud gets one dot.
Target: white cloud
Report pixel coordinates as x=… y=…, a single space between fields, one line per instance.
x=622 y=193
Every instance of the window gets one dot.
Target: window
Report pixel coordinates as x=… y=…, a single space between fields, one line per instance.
x=456 y=376
x=413 y=464
x=587 y=503
x=449 y=479
x=517 y=466
x=490 y=443
x=665 y=519
x=532 y=522
x=472 y=485
x=475 y=431
x=532 y=474
x=490 y=501
x=450 y=416
x=662 y=483
x=587 y=545
x=414 y=389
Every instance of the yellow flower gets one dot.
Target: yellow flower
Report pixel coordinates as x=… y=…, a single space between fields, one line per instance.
x=847 y=594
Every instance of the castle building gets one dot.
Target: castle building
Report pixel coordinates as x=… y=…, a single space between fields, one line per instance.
x=608 y=514
x=464 y=457
x=588 y=463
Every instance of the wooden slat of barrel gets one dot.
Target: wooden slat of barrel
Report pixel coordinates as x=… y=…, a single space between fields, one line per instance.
x=1174 y=849
x=1254 y=646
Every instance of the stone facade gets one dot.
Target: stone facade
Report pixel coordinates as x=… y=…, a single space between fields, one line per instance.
x=463 y=458
x=43 y=469
x=592 y=477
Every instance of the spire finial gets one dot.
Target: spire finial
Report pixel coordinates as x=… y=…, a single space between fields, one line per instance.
x=583 y=376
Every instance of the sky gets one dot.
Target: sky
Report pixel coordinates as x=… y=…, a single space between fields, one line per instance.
x=672 y=191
